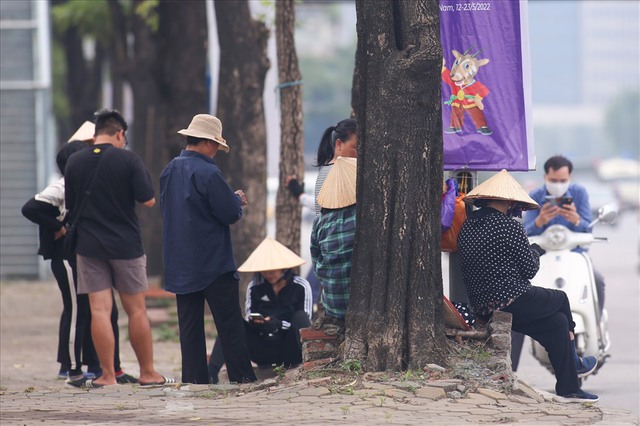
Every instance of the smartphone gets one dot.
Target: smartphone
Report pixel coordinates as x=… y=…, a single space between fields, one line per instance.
x=565 y=200
x=256 y=315
x=558 y=201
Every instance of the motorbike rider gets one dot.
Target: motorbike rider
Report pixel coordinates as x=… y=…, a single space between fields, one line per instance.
x=497 y=265
x=574 y=215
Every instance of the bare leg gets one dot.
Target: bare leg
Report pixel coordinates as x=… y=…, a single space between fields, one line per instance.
x=140 y=335
x=101 y=303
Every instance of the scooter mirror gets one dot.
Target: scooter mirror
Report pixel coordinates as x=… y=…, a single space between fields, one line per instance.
x=608 y=213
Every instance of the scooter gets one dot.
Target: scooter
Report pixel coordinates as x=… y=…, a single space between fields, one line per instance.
x=572 y=272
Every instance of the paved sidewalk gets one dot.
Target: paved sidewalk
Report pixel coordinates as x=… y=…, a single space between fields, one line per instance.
x=30 y=394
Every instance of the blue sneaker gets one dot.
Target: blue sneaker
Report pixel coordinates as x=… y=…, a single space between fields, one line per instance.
x=63 y=374
x=580 y=396
x=587 y=366
x=93 y=372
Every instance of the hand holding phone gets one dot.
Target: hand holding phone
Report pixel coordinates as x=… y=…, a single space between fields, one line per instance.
x=256 y=316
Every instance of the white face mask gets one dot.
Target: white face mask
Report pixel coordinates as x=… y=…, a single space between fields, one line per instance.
x=557 y=189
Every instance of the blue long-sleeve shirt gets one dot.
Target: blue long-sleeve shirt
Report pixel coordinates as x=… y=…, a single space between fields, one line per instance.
x=197 y=208
x=581 y=201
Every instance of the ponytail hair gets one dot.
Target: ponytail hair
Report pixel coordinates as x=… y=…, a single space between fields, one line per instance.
x=343 y=131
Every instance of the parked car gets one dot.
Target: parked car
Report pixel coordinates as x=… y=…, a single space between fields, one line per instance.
x=624 y=176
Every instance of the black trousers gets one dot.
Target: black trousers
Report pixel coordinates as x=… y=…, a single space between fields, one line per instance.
x=545 y=315
x=224 y=302
x=283 y=348
x=83 y=351
x=517 y=339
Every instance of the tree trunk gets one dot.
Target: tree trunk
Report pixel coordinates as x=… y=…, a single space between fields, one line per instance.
x=288 y=210
x=243 y=67
x=394 y=320
x=167 y=75
x=355 y=87
x=83 y=83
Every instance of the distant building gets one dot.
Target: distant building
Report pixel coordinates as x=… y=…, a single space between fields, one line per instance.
x=584 y=54
x=26 y=148
x=610 y=33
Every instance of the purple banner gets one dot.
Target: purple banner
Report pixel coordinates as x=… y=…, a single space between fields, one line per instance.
x=485 y=85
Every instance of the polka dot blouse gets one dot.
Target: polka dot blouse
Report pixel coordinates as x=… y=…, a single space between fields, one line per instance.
x=496 y=258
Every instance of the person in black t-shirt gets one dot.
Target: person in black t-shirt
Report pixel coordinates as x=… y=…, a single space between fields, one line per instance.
x=278 y=305
x=109 y=253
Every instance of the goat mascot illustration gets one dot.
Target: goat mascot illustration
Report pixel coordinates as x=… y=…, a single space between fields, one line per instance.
x=466 y=93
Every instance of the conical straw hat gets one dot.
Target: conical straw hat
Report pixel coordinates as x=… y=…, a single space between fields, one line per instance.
x=339 y=188
x=502 y=186
x=84 y=133
x=270 y=255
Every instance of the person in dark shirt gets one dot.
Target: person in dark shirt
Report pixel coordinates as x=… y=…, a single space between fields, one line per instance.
x=109 y=250
x=278 y=305
x=497 y=266
x=47 y=210
x=197 y=208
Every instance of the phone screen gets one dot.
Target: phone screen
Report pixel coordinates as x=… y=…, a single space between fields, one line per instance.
x=565 y=200
x=558 y=201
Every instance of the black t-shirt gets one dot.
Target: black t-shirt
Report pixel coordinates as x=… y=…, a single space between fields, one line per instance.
x=108 y=227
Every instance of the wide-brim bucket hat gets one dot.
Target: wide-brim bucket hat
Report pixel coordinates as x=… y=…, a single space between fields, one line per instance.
x=84 y=133
x=502 y=186
x=339 y=188
x=208 y=127
x=270 y=255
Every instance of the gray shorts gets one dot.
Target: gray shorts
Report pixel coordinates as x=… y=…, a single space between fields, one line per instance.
x=128 y=276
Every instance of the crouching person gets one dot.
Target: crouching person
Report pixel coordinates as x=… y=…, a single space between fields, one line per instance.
x=277 y=306
x=332 y=240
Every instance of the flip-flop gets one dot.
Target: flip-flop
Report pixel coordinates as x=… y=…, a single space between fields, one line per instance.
x=125 y=378
x=166 y=381
x=89 y=384
x=85 y=383
x=77 y=382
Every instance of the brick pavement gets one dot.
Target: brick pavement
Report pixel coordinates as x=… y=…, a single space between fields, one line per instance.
x=30 y=394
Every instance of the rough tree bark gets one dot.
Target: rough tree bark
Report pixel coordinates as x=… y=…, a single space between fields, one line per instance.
x=166 y=70
x=395 y=319
x=243 y=67
x=83 y=83
x=355 y=88
x=288 y=210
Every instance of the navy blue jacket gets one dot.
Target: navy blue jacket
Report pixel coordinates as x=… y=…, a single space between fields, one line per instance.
x=197 y=208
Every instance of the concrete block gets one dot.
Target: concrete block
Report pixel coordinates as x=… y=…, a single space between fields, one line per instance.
x=492 y=394
x=432 y=393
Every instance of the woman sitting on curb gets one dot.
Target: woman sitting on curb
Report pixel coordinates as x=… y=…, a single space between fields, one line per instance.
x=277 y=306
x=497 y=266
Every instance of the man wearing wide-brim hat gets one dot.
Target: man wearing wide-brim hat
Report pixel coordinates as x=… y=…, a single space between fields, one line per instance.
x=332 y=239
x=197 y=208
x=497 y=265
x=278 y=305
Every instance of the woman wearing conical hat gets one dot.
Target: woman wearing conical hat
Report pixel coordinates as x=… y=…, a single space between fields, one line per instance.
x=497 y=266
x=278 y=305
x=332 y=240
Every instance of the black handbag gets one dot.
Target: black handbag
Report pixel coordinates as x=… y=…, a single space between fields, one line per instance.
x=71 y=239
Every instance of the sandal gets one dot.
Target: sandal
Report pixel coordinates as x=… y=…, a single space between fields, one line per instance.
x=166 y=381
